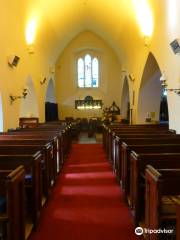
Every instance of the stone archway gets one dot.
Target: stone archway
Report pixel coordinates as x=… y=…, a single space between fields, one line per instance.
x=150 y=92
x=51 y=107
x=125 y=101
x=50 y=92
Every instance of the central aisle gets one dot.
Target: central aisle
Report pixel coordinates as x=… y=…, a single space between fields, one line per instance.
x=86 y=202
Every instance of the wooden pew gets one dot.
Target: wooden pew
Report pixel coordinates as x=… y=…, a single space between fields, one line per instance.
x=55 y=137
x=61 y=144
x=162 y=194
x=148 y=131
x=118 y=164
x=33 y=186
x=28 y=122
x=113 y=131
x=60 y=137
x=63 y=132
x=148 y=148
x=136 y=137
x=137 y=172
x=35 y=139
x=32 y=149
x=118 y=139
x=106 y=128
x=45 y=161
x=125 y=141
x=12 y=209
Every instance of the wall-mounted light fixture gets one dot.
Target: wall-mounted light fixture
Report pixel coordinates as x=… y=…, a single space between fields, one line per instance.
x=164 y=84
x=30 y=34
x=43 y=81
x=13 y=98
x=13 y=60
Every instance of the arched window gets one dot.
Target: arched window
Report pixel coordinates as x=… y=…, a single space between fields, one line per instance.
x=88 y=72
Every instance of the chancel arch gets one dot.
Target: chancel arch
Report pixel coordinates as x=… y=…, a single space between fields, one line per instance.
x=29 y=104
x=150 y=93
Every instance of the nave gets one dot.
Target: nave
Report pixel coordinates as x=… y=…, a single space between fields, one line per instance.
x=69 y=67
x=86 y=202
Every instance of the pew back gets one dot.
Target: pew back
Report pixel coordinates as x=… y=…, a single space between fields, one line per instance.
x=12 y=188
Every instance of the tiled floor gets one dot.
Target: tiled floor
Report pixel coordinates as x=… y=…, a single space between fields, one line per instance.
x=83 y=138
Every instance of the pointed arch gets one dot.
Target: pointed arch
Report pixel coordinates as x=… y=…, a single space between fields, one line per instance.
x=151 y=92
x=51 y=107
x=50 y=92
x=29 y=105
x=125 y=100
x=1 y=114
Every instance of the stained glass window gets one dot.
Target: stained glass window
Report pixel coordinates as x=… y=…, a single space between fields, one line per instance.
x=88 y=72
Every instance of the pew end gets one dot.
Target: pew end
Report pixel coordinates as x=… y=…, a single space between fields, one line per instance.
x=162 y=196
x=12 y=216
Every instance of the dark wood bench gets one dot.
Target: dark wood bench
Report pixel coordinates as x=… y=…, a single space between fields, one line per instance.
x=137 y=173
x=35 y=139
x=66 y=132
x=113 y=134
x=132 y=141
x=56 y=137
x=162 y=196
x=63 y=133
x=60 y=136
x=136 y=137
x=46 y=161
x=28 y=122
x=118 y=139
x=12 y=204
x=33 y=186
x=106 y=128
x=149 y=148
x=113 y=131
x=59 y=131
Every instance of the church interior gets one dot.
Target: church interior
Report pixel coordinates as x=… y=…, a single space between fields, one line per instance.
x=89 y=128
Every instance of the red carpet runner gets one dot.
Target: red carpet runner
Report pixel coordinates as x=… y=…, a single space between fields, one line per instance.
x=86 y=203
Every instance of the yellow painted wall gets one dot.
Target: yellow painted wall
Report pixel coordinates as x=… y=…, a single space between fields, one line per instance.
x=117 y=28
x=66 y=76
x=14 y=17
x=166 y=15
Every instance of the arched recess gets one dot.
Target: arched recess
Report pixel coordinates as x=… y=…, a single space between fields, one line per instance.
x=1 y=115
x=125 y=100
x=29 y=105
x=50 y=92
x=151 y=92
x=51 y=107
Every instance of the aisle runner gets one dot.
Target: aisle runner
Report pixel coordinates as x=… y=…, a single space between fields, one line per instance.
x=86 y=203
